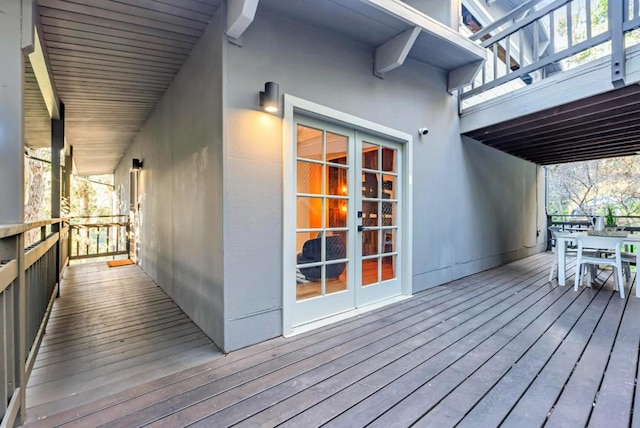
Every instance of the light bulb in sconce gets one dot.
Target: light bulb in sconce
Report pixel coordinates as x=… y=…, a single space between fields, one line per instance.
x=343 y=208
x=344 y=190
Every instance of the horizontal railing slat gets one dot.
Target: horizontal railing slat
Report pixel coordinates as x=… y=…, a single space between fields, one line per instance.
x=34 y=254
x=8 y=274
x=16 y=229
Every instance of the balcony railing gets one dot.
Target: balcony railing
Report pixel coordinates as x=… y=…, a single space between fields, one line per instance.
x=98 y=236
x=577 y=223
x=29 y=279
x=532 y=42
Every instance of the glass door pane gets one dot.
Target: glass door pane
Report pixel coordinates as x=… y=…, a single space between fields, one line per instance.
x=322 y=200
x=379 y=199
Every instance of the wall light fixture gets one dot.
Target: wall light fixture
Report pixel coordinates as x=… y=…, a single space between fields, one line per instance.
x=270 y=97
x=136 y=165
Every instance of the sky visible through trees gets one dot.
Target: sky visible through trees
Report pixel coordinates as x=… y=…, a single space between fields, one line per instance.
x=589 y=187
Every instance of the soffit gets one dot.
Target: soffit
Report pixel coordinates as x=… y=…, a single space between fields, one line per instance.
x=370 y=25
x=111 y=62
x=602 y=126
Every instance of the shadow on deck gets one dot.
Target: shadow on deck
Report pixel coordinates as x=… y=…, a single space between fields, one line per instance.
x=501 y=346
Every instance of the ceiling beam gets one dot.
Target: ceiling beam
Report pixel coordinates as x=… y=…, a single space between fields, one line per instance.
x=393 y=52
x=240 y=14
x=39 y=60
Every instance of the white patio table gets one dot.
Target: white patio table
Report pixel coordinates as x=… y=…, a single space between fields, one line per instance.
x=563 y=238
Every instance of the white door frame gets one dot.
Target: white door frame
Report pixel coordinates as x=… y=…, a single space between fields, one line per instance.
x=293 y=105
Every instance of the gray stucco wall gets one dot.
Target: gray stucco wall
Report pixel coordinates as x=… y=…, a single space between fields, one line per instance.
x=181 y=186
x=446 y=12
x=474 y=207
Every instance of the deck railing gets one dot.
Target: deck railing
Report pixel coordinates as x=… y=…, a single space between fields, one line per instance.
x=528 y=43
x=29 y=281
x=98 y=236
x=577 y=223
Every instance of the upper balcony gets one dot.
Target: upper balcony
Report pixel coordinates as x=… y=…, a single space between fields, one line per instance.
x=559 y=82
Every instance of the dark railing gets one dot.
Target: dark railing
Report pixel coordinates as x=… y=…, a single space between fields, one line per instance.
x=29 y=279
x=98 y=236
x=577 y=223
x=512 y=58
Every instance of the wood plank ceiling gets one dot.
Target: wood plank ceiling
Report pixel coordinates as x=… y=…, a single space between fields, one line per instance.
x=112 y=60
x=603 y=126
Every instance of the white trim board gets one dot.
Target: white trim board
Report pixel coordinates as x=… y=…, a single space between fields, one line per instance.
x=294 y=105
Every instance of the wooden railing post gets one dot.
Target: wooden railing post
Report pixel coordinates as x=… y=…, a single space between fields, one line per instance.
x=12 y=248
x=22 y=326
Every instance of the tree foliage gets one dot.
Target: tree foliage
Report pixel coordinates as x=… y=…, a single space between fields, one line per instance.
x=589 y=187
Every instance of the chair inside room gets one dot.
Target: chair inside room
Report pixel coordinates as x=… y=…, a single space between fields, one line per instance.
x=591 y=250
x=312 y=253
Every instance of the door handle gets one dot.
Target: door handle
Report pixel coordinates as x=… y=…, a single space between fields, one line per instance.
x=361 y=228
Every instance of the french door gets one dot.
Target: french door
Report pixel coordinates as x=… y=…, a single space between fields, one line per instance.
x=348 y=211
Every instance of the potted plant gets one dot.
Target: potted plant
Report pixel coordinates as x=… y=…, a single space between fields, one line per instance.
x=610 y=220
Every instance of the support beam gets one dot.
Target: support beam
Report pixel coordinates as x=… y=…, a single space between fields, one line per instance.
x=57 y=145
x=16 y=23
x=463 y=76
x=68 y=170
x=392 y=53
x=42 y=70
x=240 y=14
x=13 y=31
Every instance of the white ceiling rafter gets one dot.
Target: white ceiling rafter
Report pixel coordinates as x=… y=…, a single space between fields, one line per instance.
x=240 y=15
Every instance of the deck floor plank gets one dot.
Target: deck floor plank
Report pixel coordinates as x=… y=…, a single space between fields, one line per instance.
x=296 y=362
x=615 y=398
x=393 y=389
x=500 y=346
x=576 y=402
x=499 y=352
x=336 y=380
x=111 y=329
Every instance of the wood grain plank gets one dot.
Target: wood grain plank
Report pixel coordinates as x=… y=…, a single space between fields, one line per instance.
x=352 y=403
x=270 y=355
x=576 y=401
x=294 y=396
x=128 y=14
x=305 y=360
x=616 y=394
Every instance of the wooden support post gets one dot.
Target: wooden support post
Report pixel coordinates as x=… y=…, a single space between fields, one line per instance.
x=16 y=34
x=11 y=113
x=57 y=145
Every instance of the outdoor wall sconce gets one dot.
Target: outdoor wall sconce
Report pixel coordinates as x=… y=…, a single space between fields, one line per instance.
x=270 y=97
x=136 y=165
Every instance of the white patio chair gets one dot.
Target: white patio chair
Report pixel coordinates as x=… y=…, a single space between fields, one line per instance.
x=590 y=245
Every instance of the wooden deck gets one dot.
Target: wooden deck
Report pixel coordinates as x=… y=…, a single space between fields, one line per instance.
x=111 y=329
x=500 y=347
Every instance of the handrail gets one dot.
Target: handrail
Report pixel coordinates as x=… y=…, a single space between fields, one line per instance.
x=7 y=230
x=524 y=7
x=29 y=281
x=102 y=239
x=519 y=54
x=573 y=222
